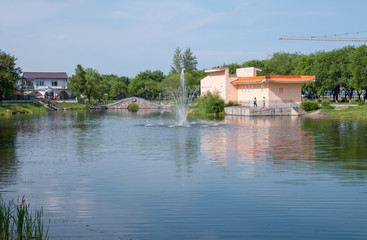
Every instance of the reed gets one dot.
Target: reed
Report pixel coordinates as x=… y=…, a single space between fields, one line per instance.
x=18 y=222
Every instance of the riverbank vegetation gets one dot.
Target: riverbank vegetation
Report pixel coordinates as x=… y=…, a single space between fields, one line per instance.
x=18 y=222
x=354 y=112
x=70 y=106
x=11 y=109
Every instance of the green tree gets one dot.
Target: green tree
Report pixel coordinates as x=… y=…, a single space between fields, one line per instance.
x=9 y=74
x=358 y=68
x=331 y=70
x=281 y=63
x=95 y=87
x=177 y=62
x=117 y=86
x=78 y=81
x=189 y=61
x=186 y=61
x=146 y=84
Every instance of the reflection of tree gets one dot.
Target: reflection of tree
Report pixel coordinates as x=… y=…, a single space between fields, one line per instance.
x=342 y=144
x=8 y=160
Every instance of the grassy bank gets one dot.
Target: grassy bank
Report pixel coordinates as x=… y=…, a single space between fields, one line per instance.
x=10 y=109
x=357 y=112
x=70 y=106
x=18 y=222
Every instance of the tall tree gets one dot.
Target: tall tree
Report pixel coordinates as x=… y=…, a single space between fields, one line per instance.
x=9 y=74
x=189 y=61
x=186 y=61
x=78 y=81
x=95 y=87
x=177 y=62
x=358 y=68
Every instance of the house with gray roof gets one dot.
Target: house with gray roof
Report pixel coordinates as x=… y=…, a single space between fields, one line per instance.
x=44 y=84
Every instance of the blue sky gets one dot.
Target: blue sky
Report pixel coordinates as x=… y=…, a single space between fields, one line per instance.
x=130 y=36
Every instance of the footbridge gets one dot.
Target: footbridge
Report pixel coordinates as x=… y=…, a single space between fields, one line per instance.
x=142 y=103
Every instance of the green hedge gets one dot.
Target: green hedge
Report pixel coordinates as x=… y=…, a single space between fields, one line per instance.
x=309 y=105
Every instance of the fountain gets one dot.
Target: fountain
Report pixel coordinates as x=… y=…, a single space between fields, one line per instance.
x=182 y=97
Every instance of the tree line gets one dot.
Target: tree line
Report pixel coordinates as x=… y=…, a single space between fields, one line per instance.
x=148 y=84
x=336 y=70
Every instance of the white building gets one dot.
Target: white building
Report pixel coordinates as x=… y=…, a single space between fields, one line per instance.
x=43 y=84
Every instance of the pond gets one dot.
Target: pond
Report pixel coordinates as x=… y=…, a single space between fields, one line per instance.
x=121 y=175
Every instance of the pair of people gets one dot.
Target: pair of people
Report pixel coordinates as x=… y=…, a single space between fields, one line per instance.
x=255 y=103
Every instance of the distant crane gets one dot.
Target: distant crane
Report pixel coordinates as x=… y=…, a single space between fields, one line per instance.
x=324 y=39
x=327 y=38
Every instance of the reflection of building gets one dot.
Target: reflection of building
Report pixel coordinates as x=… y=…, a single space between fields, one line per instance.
x=245 y=86
x=251 y=142
x=41 y=84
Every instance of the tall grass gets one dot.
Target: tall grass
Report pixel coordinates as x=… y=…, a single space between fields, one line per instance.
x=18 y=222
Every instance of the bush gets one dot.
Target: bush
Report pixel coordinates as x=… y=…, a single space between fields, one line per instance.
x=325 y=103
x=230 y=104
x=211 y=103
x=133 y=107
x=309 y=105
x=359 y=102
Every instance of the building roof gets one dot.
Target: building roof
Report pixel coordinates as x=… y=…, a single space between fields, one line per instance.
x=273 y=78
x=216 y=69
x=45 y=75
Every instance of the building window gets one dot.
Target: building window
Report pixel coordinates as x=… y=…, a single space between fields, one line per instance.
x=54 y=83
x=280 y=90
x=262 y=88
x=41 y=83
x=242 y=88
x=252 y=88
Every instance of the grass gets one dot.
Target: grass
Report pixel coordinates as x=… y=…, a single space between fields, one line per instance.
x=10 y=109
x=18 y=222
x=70 y=106
x=357 y=112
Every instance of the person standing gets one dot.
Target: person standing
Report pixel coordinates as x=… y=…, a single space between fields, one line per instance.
x=255 y=104
x=263 y=102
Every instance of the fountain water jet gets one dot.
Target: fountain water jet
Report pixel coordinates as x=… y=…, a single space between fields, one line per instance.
x=183 y=97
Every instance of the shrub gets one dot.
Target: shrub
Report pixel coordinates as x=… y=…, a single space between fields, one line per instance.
x=309 y=105
x=230 y=104
x=325 y=103
x=133 y=107
x=355 y=101
x=211 y=103
x=359 y=102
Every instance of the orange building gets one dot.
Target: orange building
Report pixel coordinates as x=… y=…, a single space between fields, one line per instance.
x=246 y=85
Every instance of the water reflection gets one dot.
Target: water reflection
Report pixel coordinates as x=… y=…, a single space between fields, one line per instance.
x=250 y=142
x=341 y=146
x=106 y=175
x=8 y=159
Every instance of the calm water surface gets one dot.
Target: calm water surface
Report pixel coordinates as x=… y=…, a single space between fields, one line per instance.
x=119 y=175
